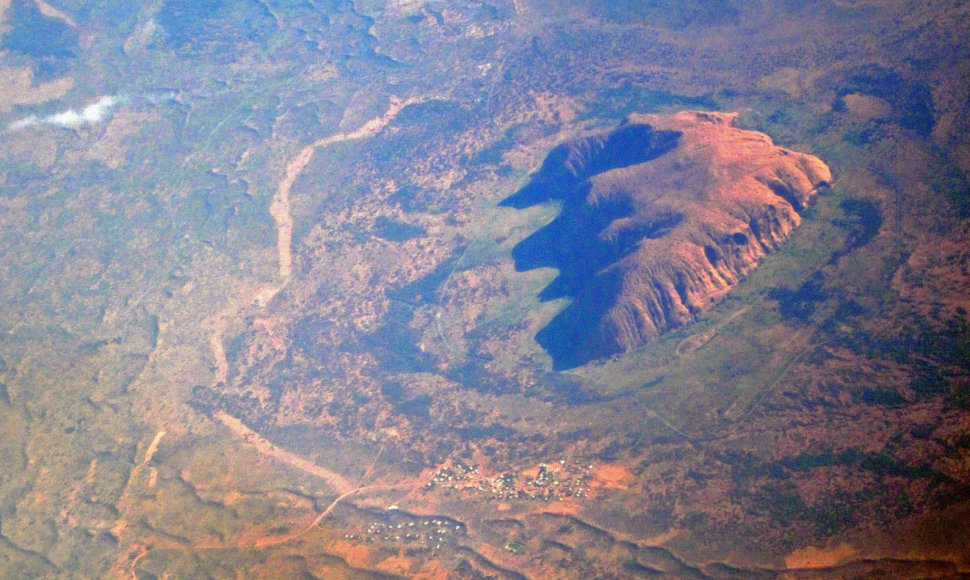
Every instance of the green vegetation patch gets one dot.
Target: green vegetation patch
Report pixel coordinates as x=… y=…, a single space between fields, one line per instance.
x=396 y=231
x=50 y=42
x=863 y=219
x=628 y=98
x=912 y=101
x=215 y=23
x=675 y=14
x=881 y=397
x=880 y=463
x=799 y=303
x=954 y=185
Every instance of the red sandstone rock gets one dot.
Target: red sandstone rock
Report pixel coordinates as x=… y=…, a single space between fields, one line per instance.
x=676 y=226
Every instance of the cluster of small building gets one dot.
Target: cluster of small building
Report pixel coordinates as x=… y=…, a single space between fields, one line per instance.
x=556 y=481
x=415 y=534
x=450 y=474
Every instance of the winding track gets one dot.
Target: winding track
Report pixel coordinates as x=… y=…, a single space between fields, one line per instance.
x=279 y=207
x=267 y=448
x=279 y=210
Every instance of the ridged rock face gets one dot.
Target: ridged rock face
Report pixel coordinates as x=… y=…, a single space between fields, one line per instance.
x=660 y=219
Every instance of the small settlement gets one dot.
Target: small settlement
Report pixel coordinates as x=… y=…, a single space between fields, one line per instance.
x=555 y=481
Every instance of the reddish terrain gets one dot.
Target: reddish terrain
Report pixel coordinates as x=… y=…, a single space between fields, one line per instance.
x=660 y=219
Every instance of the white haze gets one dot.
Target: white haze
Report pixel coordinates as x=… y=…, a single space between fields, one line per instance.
x=93 y=113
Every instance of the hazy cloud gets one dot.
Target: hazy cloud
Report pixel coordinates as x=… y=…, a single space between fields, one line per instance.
x=93 y=113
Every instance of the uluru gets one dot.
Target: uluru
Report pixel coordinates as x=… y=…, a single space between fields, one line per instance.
x=660 y=218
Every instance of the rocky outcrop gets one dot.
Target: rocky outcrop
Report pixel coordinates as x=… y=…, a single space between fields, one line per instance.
x=660 y=219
